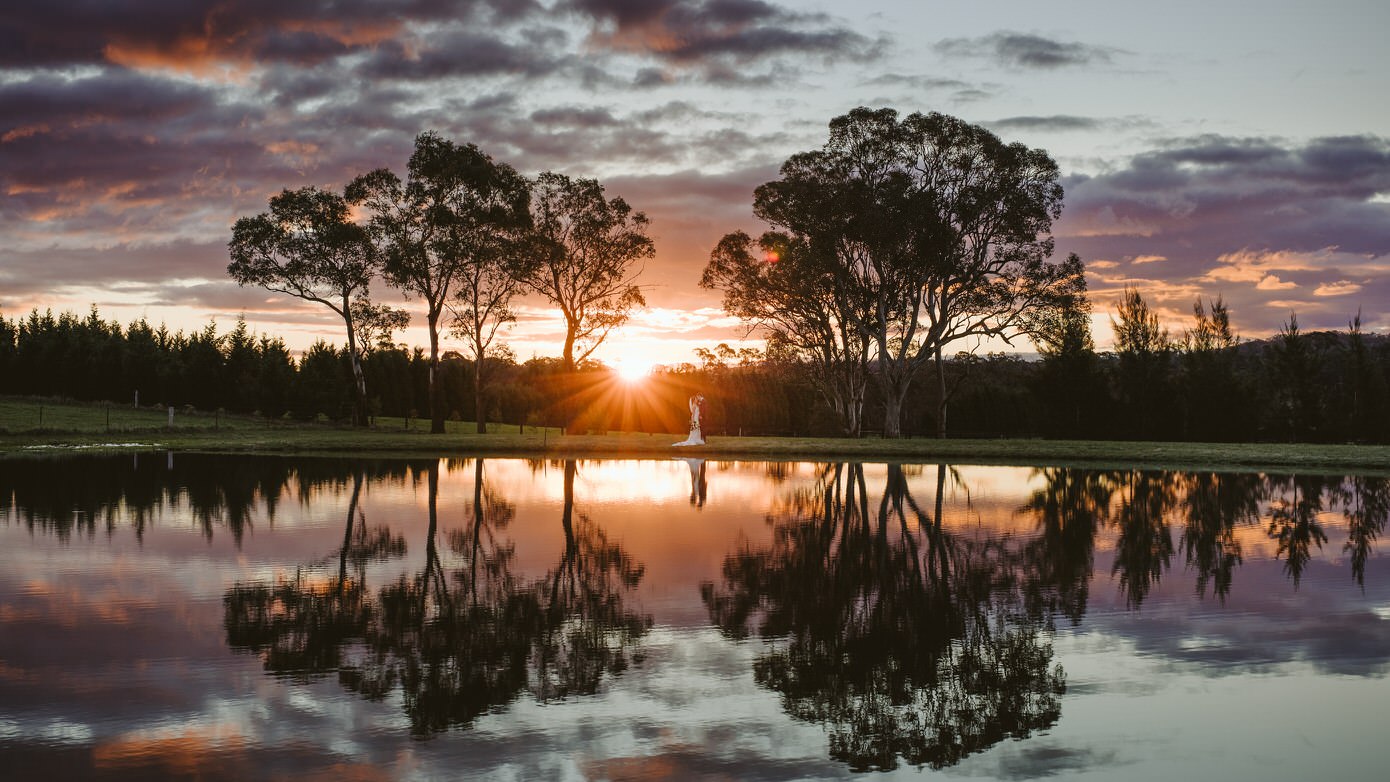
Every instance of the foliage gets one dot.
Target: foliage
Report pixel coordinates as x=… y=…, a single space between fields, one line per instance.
x=584 y=250
x=456 y=210
x=935 y=231
x=308 y=246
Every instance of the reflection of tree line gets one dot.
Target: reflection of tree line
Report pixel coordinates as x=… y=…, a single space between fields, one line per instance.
x=79 y=494
x=1209 y=508
x=462 y=638
x=910 y=639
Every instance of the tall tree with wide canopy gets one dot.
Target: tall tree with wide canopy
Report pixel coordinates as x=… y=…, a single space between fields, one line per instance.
x=455 y=209
x=790 y=296
x=941 y=225
x=308 y=246
x=585 y=250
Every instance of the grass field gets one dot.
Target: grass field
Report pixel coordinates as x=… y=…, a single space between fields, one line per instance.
x=39 y=426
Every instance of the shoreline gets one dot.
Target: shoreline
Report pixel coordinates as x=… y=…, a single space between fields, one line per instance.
x=318 y=441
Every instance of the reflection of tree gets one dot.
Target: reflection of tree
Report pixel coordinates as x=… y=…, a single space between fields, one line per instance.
x=1293 y=520
x=906 y=640
x=468 y=637
x=1144 y=549
x=1366 y=507
x=588 y=629
x=300 y=625
x=1214 y=504
x=1070 y=508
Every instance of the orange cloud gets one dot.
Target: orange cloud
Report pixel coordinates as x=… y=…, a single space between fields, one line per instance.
x=1339 y=288
x=1273 y=283
x=25 y=132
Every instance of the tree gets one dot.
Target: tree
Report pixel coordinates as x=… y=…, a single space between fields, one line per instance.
x=584 y=250
x=1292 y=370
x=308 y=246
x=1214 y=401
x=1068 y=380
x=938 y=223
x=790 y=296
x=1145 y=351
x=455 y=206
x=482 y=306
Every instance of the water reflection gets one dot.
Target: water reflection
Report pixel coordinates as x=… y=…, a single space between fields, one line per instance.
x=462 y=639
x=905 y=639
x=903 y=615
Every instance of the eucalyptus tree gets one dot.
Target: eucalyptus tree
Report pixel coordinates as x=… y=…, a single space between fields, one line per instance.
x=481 y=307
x=455 y=209
x=937 y=223
x=781 y=289
x=586 y=250
x=308 y=246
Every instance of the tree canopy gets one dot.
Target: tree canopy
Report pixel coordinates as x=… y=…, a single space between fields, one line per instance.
x=455 y=209
x=308 y=246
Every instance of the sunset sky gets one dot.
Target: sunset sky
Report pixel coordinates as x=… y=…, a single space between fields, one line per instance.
x=1239 y=149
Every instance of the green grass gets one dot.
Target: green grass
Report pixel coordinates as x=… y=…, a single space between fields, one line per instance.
x=68 y=424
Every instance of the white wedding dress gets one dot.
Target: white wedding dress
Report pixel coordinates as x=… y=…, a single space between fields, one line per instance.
x=696 y=436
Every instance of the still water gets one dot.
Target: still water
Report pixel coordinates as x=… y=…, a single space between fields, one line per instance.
x=270 y=618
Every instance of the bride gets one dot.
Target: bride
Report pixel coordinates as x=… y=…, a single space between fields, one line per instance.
x=696 y=437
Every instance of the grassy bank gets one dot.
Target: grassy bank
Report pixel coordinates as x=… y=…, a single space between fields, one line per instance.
x=32 y=426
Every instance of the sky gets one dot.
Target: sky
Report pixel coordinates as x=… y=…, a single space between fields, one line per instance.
x=1217 y=148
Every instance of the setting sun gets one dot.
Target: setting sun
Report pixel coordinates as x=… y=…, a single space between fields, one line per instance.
x=633 y=369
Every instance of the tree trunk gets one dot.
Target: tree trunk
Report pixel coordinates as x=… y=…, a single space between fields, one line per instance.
x=892 y=413
x=941 y=400
x=567 y=406
x=436 y=400
x=479 y=408
x=359 y=380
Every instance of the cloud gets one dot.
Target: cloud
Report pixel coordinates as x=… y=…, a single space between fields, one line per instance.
x=1338 y=288
x=1066 y=123
x=1245 y=218
x=1027 y=51
x=1272 y=283
x=739 y=31
x=197 y=35
x=1148 y=259
x=1054 y=123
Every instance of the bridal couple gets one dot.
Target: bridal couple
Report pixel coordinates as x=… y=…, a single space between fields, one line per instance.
x=697 y=415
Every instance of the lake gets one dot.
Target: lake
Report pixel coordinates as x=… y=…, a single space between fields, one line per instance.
x=234 y=617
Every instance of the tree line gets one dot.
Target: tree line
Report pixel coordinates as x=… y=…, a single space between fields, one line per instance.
x=1203 y=384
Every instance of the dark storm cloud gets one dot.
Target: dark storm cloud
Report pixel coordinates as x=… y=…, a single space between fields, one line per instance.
x=1265 y=223
x=738 y=30
x=1022 y=50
